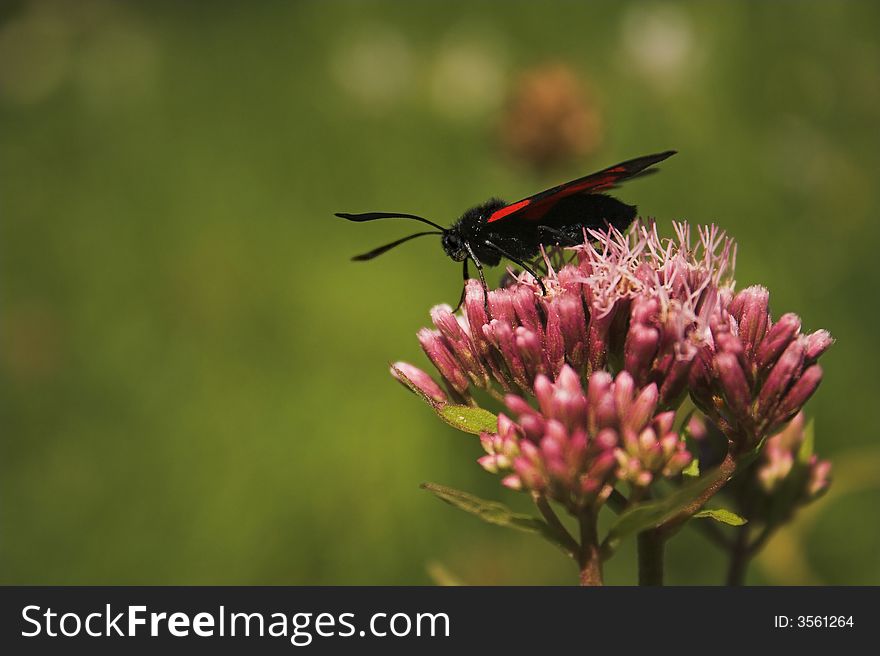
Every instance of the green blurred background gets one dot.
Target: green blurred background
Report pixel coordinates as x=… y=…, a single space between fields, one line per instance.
x=195 y=385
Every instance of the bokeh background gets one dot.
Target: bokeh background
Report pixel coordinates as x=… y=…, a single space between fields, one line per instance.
x=194 y=375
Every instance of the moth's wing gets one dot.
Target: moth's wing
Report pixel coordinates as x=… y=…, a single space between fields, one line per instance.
x=534 y=207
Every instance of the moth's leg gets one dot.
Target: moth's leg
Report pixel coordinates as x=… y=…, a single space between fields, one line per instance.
x=553 y=236
x=515 y=260
x=465 y=277
x=479 y=266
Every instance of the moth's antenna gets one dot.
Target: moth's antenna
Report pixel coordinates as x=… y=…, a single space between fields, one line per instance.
x=376 y=252
x=373 y=216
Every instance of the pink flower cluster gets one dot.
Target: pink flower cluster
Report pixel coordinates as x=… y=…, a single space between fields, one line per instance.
x=643 y=321
x=780 y=463
x=576 y=444
x=754 y=375
x=634 y=300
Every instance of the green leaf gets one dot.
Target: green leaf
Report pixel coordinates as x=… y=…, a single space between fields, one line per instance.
x=493 y=512
x=722 y=515
x=693 y=469
x=652 y=514
x=468 y=419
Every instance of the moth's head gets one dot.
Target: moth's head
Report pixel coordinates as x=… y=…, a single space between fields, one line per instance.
x=469 y=227
x=454 y=244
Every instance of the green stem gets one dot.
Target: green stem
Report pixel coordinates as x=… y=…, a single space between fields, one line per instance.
x=759 y=542
x=651 y=547
x=728 y=469
x=651 y=543
x=589 y=557
x=556 y=525
x=739 y=557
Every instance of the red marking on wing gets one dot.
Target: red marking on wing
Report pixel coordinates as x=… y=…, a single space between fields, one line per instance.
x=536 y=206
x=593 y=184
x=509 y=209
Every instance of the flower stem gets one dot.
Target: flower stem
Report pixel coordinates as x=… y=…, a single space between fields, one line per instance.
x=759 y=542
x=740 y=555
x=651 y=547
x=728 y=469
x=589 y=558
x=556 y=525
x=651 y=543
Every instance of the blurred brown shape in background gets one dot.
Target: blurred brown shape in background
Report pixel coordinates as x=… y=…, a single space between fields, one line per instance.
x=550 y=118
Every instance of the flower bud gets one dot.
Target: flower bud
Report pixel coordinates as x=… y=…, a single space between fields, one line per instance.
x=799 y=393
x=641 y=346
x=777 y=340
x=817 y=343
x=422 y=381
x=750 y=308
x=446 y=364
x=734 y=385
x=780 y=379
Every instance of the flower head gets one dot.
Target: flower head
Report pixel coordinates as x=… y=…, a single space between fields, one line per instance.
x=753 y=375
x=785 y=476
x=783 y=461
x=630 y=301
x=577 y=443
x=592 y=370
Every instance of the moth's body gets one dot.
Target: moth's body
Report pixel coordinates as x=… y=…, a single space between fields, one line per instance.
x=560 y=216
x=523 y=239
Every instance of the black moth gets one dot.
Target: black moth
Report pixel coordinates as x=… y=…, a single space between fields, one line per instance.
x=496 y=230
